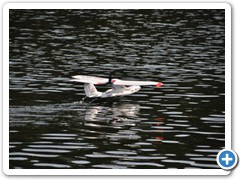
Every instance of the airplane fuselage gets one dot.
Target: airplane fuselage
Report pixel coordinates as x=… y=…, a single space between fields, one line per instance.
x=120 y=91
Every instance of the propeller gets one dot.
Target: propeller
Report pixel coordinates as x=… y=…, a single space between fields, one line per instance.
x=110 y=77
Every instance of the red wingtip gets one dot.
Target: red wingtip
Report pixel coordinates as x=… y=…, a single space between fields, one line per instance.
x=159 y=84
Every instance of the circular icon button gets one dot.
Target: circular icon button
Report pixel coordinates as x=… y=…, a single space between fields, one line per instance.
x=227 y=159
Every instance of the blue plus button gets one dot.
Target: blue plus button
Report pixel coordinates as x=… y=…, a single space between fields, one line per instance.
x=227 y=159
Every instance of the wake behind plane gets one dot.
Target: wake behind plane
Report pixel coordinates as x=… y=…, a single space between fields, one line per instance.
x=119 y=87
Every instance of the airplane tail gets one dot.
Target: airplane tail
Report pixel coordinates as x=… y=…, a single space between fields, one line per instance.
x=91 y=91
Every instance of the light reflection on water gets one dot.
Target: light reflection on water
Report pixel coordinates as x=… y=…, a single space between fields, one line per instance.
x=180 y=125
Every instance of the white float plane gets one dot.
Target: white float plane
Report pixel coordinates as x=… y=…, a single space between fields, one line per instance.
x=119 y=87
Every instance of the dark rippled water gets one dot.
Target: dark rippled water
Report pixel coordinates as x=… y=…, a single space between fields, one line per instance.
x=180 y=125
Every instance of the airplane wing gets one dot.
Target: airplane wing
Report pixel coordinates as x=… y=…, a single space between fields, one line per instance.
x=136 y=83
x=89 y=79
x=116 y=82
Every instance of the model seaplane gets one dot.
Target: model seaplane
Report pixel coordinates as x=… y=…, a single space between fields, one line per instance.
x=119 y=87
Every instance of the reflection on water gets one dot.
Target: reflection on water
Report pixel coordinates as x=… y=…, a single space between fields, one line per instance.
x=115 y=112
x=180 y=125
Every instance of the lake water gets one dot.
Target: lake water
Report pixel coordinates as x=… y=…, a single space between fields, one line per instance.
x=180 y=125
